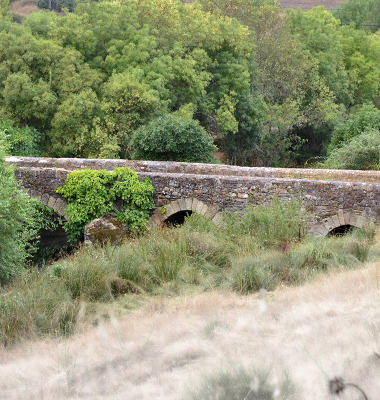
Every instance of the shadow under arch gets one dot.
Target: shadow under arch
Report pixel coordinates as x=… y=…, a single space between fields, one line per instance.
x=338 y=224
x=176 y=211
x=341 y=230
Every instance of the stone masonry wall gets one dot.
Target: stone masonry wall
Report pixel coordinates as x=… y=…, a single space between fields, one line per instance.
x=222 y=189
x=72 y=164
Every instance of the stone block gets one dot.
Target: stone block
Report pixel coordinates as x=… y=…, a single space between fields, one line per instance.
x=346 y=218
x=353 y=219
x=155 y=221
x=336 y=221
x=204 y=209
x=194 y=205
x=210 y=214
x=321 y=230
x=45 y=199
x=361 y=221
x=328 y=223
x=105 y=229
x=51 y=202
x=60 y=206
x=182 y=204
x=217 y=220
x=176 y=207
x=199 y=207
x=341 y=217
x=188 y=203
x=168 y=211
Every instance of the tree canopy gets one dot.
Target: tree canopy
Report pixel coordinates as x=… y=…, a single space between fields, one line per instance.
x=268 y=87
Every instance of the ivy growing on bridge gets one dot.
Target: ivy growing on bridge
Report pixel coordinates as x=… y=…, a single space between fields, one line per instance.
x=91 y=194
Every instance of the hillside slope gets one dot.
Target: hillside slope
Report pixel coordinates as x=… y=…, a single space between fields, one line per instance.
x=315 y=332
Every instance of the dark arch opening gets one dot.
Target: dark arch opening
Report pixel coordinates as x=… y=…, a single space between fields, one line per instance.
x=341 y=230
x=178 y=218
x=52 y=245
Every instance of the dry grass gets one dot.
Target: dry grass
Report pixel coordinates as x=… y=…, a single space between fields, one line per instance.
x=326 y=328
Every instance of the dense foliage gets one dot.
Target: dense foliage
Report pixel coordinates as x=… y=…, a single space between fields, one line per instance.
x=269 y=87
x=17 y=224
x=91 y=194
x=172 y=138
x=362 y=152
x=23 y=141
x=360 y=120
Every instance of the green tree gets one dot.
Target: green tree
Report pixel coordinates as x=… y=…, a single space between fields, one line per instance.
x=297 y=98
x=91 y=78
x=364 y=14
x=127 y=104
x=73 y=123
x=320 y=34
x=17 y=225
x=172 y=138
x=362 y=63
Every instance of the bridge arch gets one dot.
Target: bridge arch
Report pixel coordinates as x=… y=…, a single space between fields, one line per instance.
x=341 y=220
x=177 y=209
x=56 y=203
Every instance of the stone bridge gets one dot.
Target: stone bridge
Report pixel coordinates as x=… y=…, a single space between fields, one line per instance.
x=335 y=199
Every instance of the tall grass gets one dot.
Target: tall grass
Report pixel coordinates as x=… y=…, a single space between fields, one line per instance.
x=260 y=249
x=37 y=305
x=273 y=224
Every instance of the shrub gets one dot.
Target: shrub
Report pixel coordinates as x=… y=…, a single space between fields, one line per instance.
x=39 y=305
x=172 y=138
x=88 y=275
x=167 y=259
x=321 y=254
x=362 y=152
x=130 y=264
x=252 y=274
x=365 y=118
x=91 y=194
x=25 y=141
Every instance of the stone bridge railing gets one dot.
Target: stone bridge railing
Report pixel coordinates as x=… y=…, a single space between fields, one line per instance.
x=334 y=198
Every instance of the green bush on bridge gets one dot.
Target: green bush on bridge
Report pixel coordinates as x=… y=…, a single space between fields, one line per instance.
x=91 y=194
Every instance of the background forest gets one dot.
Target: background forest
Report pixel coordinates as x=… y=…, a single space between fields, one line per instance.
x=155 y=79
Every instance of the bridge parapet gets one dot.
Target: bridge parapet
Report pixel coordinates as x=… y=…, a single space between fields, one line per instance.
x=213 y=188
x=71 y=164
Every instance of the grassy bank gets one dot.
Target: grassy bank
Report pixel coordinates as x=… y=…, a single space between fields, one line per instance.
x=263 y=248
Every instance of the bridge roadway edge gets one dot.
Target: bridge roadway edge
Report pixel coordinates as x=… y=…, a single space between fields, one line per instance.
x=209 y=189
